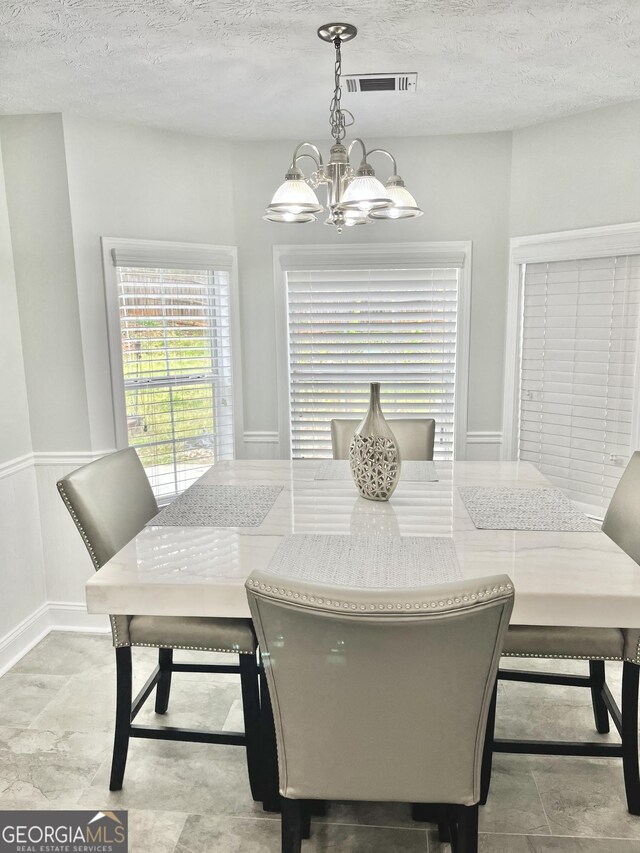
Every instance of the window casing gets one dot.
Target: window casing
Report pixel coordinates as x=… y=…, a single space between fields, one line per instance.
x=171 y=354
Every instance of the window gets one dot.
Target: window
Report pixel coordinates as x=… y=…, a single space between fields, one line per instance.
x=175 y=382
x=348 y=327
x=576 y=385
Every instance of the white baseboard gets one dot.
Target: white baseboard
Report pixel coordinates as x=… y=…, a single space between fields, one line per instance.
x=50 y=616
x=24 y=637
x=73 y=616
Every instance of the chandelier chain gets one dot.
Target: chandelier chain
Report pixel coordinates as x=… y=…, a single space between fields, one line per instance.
x=337 y=119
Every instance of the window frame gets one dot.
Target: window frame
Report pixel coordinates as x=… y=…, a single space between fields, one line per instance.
x=376 y=256
x=161 y=253
x=578 y=244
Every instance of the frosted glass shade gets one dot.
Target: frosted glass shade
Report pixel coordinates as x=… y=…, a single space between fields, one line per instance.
x=404 y=205
x=294 y=196
x=365 y=193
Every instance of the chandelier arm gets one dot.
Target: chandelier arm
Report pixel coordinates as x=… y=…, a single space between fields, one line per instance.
x=297 y=156
x=362 y=145
x=388 y=153
x=311 y=157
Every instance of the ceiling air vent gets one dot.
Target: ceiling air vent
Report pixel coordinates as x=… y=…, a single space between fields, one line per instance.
x=381 y=82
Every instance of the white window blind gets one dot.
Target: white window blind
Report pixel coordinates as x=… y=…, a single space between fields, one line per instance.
x=348 y=328
x=579 y=350
x=176 y=356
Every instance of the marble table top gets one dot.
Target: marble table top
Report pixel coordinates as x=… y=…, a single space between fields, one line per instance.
x=561 y=578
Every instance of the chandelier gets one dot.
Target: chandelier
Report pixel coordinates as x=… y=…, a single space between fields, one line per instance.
x=354 y=196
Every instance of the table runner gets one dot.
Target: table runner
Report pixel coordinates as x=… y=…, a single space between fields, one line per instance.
x=369 y=562
x=523 y=509
x=412 y=470
x=219 y=506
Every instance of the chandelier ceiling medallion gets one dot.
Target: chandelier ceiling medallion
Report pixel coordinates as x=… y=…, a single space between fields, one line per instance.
x=354 y=196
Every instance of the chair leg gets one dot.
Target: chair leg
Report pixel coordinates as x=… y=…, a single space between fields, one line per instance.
x=630 y=675
x=165 y=661
x=123 y=717
x=467 y=834
x=251 y=712
x=271 y=801
x=600 y=713
x=291 y=826
x=306 y=819
x=487 y=754
x=445 y=825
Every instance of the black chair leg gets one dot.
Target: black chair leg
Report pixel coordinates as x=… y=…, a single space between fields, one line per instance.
x=467 y=825
x=251 y=712
x=487 y=754
x=291 y=825
x=306 y=819
x=630 y=675
x=123 y=717
x=446 y=829
x=271 y=800
x=165 y=661
x=600 y=713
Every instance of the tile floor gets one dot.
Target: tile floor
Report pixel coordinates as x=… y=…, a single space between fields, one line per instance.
x=56 y=711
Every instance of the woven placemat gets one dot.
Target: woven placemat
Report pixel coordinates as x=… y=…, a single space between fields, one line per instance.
x=367 y=562
x=523 y=509
x=412 y=470
x=220 y=506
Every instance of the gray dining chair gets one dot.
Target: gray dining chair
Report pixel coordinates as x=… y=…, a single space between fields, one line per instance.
x=110 y=501
x=415 y=436
x=595 y=645
x=380 y=694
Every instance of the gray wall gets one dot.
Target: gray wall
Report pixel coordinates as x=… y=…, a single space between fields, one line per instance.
x=577 y=172
x=38 y=204
x=15 y=432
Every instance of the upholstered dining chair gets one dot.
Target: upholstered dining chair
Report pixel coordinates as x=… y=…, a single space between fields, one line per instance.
x=110 y=501
x=595 y=645
x=415 y=437
x=380 y=694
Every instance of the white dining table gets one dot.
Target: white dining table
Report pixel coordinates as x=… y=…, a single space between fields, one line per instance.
x=561 y=578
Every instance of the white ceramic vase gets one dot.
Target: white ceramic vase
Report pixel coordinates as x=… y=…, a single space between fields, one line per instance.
x=374 y=455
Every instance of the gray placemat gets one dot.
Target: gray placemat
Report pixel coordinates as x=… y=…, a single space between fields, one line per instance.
x=523 y=509
x=368 y=562
x=412 y=470
x=220 y=506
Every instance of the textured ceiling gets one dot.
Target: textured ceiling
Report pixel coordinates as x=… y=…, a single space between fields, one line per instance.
x=256 y=69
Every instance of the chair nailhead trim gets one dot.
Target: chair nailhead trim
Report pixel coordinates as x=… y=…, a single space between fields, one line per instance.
x=81 y=529
x=192 y=648
x=350 y=605
x=564 y=657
